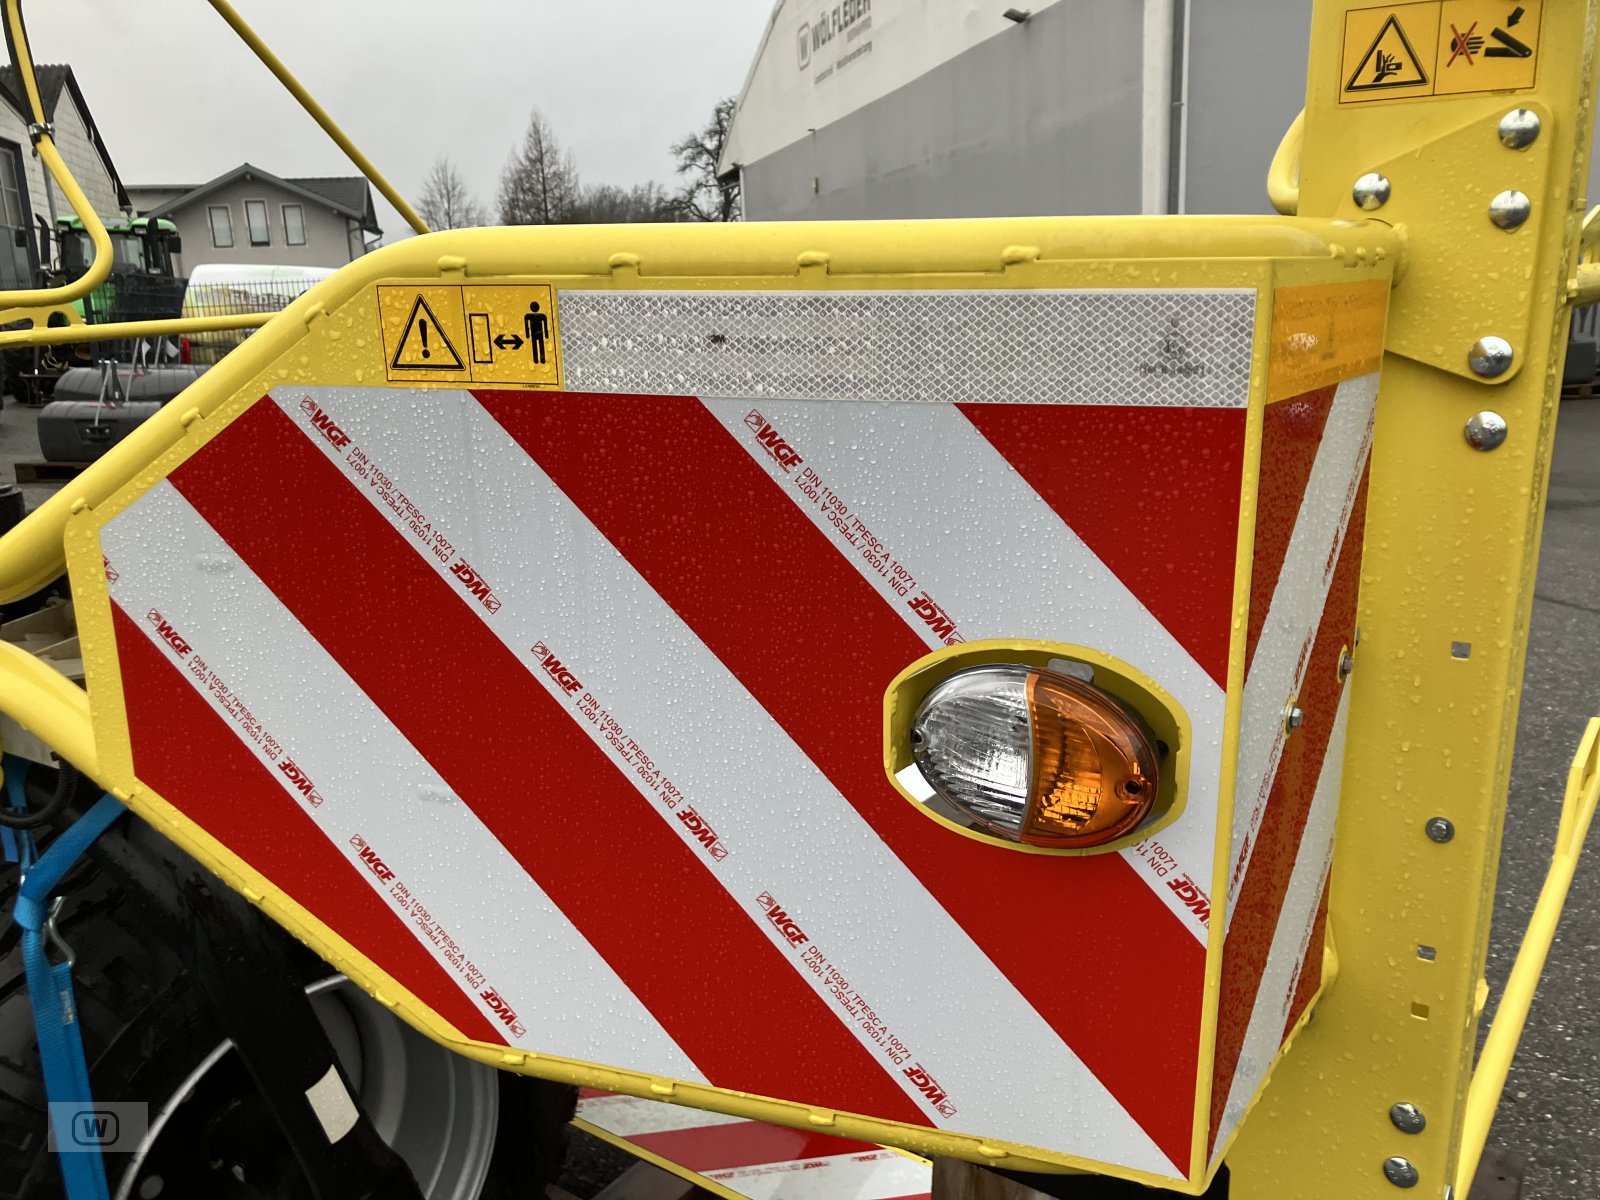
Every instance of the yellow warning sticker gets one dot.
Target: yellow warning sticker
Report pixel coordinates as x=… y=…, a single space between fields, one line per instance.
x=1323 y=333
x=1439 y=48
x=502 y=334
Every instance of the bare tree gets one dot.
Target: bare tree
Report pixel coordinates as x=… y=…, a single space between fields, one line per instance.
x=539 y=185
x=607 y=204
x=704 y=196
x=445 y=202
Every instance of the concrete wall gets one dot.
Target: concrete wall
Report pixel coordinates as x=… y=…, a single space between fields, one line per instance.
x=329 y=241
x=1046 y=120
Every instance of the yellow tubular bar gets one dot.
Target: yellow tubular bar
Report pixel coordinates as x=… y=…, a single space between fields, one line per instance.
x=49 y=705
x=60 y=335
x=17 y=34
x=1489 y=1077
x=1283 y=175
x=317 y=113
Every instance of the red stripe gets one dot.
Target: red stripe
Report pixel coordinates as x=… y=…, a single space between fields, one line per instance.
x=1291 y=434
x=1266 y=882
x=1154 y=492
x=193 y=759
x=1084 y=939
x=569 y=816
x=747 y=1144
x=1310 y=967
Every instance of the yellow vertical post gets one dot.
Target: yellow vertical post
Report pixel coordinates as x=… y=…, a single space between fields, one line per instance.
x=1481 y=158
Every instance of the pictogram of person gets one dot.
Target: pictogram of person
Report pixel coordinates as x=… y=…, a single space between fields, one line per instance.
x=536 y=325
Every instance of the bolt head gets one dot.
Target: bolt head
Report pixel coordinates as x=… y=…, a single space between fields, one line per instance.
x=1371 y=192
x=1510 y=209
x=1485 y=430
x=1440 y=829
x=1293 y=717
x=1408 y=1118
x=1519 y=128
x=1490 y=356
x=1347 y=664
x=1400 y=1172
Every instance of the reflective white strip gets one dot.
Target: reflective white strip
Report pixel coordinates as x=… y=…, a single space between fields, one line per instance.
x=630 y=1116
x=1008 y=566
x=1295 y=613
x=168 y=559
x=786 y=827
x=870 y=1175
x=1275 y=993
x=330 y=1100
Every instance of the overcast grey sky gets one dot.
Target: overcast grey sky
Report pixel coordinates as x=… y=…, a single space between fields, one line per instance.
x=179 y=99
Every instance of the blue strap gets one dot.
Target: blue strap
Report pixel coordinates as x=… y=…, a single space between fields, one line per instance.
x=16 y=845
x=55 y=1008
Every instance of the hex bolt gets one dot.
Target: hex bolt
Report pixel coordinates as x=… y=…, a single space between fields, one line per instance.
x=1347 y=664
x=1510 y=209
x=1408 y=1118
x=1371 y=192
x=1440 y=829
x=1293 y=717
x=1485 y=431
x=1519 y=129
x=1490 y=356
x=1400 y=1172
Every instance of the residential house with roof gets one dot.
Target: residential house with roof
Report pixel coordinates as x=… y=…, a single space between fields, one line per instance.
x=248 y=215
x=29 y=198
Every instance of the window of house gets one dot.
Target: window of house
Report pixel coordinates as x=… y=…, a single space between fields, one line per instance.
x=221 y=226
x=255 y=216
x=10 y=193
x=294 y=224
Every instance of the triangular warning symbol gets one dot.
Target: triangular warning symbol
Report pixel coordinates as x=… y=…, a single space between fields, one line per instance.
x=1389 y=62
x=424 y=346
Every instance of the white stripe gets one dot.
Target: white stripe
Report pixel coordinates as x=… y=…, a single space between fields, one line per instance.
x=630 y=1116
x=376 y=786
x=788 y=831
x=336 y=1112
x=1275 y=992
x=869 y=1175
x=927 y=492
x=1298 y=599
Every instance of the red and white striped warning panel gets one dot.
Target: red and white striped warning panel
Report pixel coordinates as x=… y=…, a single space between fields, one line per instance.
x=751 y=1160
x=566 y=708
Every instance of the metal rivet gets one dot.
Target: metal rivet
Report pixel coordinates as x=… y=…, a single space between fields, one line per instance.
x=1490 y=356
x=1510 y=209
x=1371 y=192
x=1293 y=717
x=1519 y=128
x=1408 y=1118
x=1440 y=829
x=1400 y=1172
x=1485 y=430
x=1347 y=664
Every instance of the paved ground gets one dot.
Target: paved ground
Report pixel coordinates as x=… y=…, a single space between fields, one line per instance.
x=1551 y=1110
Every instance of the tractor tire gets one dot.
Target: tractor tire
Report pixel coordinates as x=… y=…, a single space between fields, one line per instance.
x=468 y=1131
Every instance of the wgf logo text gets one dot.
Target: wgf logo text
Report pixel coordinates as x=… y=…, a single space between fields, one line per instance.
x=370 y=860
x=929 y=1087
x=940 y=623
x=565 y=679
x=781 y=920
x=702 y=832
x=785 y=455
x=300 y=781
x=168 y=634
x=477 y=586
x=503 y=1011
x=1193 y=898
x=323 y=424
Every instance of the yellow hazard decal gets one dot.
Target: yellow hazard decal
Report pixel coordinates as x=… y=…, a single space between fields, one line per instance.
x=503 y=335
x=1439 y=48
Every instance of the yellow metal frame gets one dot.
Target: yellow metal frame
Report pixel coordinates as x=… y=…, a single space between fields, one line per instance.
x=1449 y=560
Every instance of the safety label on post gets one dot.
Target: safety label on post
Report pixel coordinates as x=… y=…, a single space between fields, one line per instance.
x=499 y=334
x=1439 y=48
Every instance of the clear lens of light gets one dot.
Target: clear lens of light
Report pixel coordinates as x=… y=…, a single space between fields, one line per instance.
x=1035 y=756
